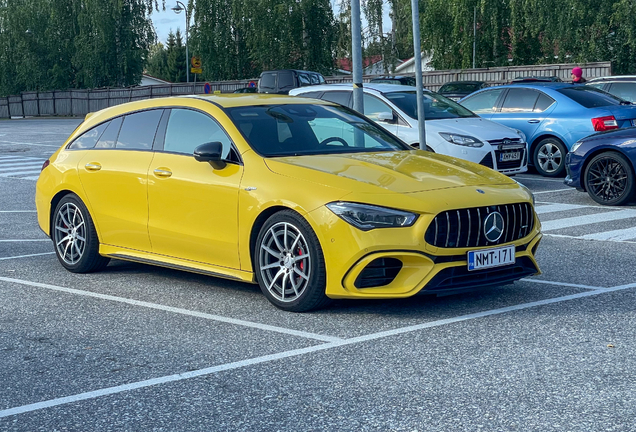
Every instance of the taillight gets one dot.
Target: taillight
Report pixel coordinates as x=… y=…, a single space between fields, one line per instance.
x=45 y=164
x=602 y=124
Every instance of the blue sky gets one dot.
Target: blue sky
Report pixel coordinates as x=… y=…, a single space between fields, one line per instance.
x=167 y=20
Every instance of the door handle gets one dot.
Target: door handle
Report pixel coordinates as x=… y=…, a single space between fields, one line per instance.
x=162 y=172
x=92 y=166
x=534 y=121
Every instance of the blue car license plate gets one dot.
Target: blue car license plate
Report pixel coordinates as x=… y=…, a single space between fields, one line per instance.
x=488 y=258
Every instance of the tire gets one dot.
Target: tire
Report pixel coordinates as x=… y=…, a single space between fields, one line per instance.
x=74 y=237
x=609 y=179
x=289 y=264
x=548 y=157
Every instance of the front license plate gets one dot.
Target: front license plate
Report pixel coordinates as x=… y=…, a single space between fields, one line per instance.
x=511 y=156
x=487 y=258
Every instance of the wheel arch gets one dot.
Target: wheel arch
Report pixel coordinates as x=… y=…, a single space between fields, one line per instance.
x=598 y=151
x=54 y=202
x=540 y=138
x=258 y=224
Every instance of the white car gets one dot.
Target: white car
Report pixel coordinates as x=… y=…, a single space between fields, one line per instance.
x=450 y=128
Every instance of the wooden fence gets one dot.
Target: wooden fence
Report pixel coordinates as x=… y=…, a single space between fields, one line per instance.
x=78 y=103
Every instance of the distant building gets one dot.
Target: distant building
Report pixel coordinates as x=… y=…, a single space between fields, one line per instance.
x=147 y=80
x=409 y=65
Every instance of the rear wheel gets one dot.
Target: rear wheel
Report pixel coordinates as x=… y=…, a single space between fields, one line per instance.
x=549 y=157
x=609 y=179
x=74 y=237
x=289 y=264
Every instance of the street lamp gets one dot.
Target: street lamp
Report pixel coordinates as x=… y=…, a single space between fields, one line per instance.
x=178 y=9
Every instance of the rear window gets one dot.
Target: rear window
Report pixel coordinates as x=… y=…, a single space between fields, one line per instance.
x=590 y=97
x=268 y=81
x=436 y=106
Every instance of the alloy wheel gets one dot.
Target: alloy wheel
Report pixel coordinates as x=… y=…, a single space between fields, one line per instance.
x=285 y=262
x=70 y=233
x=549 y=157
x=607 y=178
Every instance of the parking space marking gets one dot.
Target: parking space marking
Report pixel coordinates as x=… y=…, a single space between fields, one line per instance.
x=18 y=211
x=219 y=318
x=21 y=167
x=547 y=282
x=538 y=179
x=552 y=208
x=554 y=190
x=29 y=144
x=587 y=219
x=23 y=240
x=614 y=235
x=588 y=239
x=297 y=352
x=26 y=256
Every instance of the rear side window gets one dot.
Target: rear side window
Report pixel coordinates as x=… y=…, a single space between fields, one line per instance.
x=285 y=79
x=483 y=103
x=590 y=97
x=624 y=90
x=138 y=131
x=88 y=139
x=109 y=137
x=321 y=79
x=189 y=129
x=340 y=97
x=520 y=100
x=304 y=79
x=543 y=103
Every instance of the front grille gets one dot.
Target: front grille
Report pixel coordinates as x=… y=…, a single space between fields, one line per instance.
x=505 y=141
x=379 y=272
x=465 y=227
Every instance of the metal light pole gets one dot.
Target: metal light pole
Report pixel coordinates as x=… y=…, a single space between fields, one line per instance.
x=177 y=9
x=421 y=117
x=356 y=54
x=474 y=33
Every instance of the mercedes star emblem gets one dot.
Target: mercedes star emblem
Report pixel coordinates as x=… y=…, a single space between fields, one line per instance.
x=481 y=191
x=493 y=226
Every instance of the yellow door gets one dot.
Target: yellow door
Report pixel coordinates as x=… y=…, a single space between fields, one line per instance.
x=115 y=182
x=193 y=208
x=114 y=175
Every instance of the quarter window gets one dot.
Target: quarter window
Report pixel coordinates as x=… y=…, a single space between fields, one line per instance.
x=483 y=103
x=139 y=129
x=519 y=100
x=543 y=103
x=88 y=139
x=189 y=129
x=109 y=137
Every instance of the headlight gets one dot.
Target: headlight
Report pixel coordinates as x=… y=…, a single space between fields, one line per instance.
x=526 y=189
x=367 y=217
x=521 y=134
x=463 y=140
x=575 y=146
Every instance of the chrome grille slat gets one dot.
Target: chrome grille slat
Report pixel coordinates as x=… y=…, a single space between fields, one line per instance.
x=518 y=217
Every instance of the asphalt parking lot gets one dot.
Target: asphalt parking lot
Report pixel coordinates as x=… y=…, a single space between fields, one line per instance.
x=142 y=348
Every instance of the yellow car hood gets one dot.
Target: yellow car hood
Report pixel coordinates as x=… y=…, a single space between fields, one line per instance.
x=401 y=171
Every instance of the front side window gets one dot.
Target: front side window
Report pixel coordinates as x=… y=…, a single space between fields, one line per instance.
x=88 y=139
x=189 y=129
x=436 y=106
x=139 y=129
x=306 y=129
x=484 y=102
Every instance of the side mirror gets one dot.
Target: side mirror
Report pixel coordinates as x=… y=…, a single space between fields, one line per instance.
x=386 y=117
x=210 y=152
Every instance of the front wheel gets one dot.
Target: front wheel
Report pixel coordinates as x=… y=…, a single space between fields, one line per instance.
x=609 y=179
x=289 y=264
x=549 y=157
x=74 y=237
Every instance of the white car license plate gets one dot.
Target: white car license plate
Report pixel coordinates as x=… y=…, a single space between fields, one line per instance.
x=511 y=156
x=487 y=258
x=633 y=122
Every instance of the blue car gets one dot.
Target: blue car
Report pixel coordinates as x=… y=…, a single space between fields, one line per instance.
x=603 y=165
x=553 y=116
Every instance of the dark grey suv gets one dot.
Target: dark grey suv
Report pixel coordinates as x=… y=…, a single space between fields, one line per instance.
x=282 y=81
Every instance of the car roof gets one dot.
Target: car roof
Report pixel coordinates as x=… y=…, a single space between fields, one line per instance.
x=231 y=100
x=541 y=84
x=379 y=87
x=614 y=78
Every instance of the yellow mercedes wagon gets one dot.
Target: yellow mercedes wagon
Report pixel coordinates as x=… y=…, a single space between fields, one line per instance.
x=308 y=199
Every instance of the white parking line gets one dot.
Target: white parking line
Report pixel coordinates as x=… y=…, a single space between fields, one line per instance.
x=555 y=190
x=538 y=179
x=10 y=174
x=587 y=239
x=31 y=144
x=23 y=240
x=18 y=211
x=21 y=164
x=180 y=311
x=615 y=235
x=551 y=208
x=587 y=219
x=26 y=256
x=294 y=353
x=546 y=282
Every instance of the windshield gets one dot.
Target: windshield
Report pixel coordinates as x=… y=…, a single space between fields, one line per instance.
x=306 y=129
x=591 y=97
x=460 y=88
x=436 y=106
